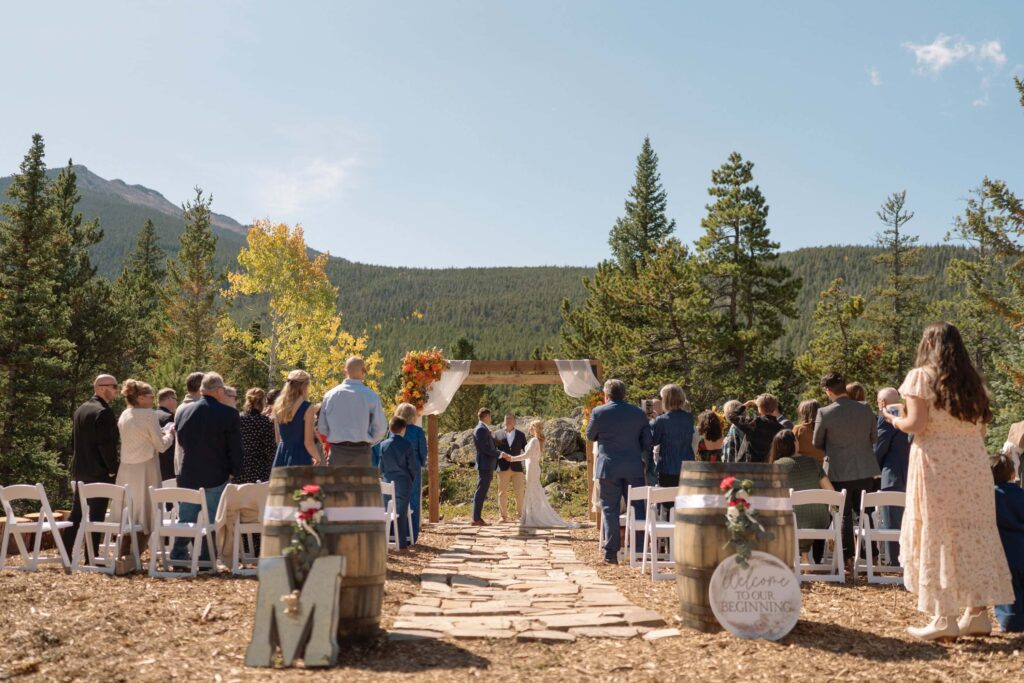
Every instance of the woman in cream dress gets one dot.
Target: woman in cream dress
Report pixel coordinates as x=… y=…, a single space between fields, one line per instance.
x=537 y=511
x=142 y=441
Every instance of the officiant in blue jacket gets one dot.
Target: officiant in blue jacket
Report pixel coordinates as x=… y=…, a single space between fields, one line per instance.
x=623 y=437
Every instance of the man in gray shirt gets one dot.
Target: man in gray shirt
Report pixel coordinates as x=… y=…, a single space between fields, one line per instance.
x=846 y=431
x=352 y=418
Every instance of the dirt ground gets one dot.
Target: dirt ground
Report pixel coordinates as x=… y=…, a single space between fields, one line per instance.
x=82 y=627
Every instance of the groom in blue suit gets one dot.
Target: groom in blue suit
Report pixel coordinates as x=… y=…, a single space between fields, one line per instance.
x=487 y=455
x=623 y=438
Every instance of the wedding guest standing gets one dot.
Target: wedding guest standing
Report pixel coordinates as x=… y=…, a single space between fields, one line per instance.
x=231 y=397
x=415 y=435
x=211 y=441
x=1010 y=519
x=94 y=458
x=950 y=549
x=892 y=451
x=672 y=434
x=294 y=421
x=712 y=441
x=193 y=385
x=167 y=403
x=846 y=431
x=804 y=432
x=258 y=443
x=759 y=429
x=734 y=438
x=352 y=418
x=142 y=441
x=271 y=397
x=857 y=392
x=398 y=465
x=623 y=438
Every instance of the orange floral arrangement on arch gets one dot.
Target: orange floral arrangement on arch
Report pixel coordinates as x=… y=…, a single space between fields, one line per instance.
x=420 y=369
x=591 y=401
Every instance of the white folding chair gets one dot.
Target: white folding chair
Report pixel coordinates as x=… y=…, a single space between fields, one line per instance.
x=197 y=532
x=634 y=494
x=387 y=490
x=118 y=522
x=867 y=534
x=654 y=531
x=43 y=524
x=835 y=567
x=238 y=497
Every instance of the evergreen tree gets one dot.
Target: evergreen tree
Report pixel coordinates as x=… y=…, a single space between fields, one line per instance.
x=841 y=341
x=191 y=311
x=645 y=224
x=899 y=304
x=34 y=349
x=750 y=292
x=532 y=399
x=139 y=295
x=97 y=328
x=461 y=412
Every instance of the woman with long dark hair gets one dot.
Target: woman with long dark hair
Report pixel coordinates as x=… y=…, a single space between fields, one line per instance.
x=951 y=554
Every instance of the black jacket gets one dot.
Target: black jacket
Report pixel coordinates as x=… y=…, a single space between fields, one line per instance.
x=94 y=438
x=759 y=430
x=164 y=416
x=518 y=446
x=211 y=438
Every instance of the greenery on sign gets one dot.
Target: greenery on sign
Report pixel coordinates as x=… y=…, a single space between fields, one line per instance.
x=740 y=519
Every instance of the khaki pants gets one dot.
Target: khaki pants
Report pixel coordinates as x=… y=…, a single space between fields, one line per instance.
x=518 y=481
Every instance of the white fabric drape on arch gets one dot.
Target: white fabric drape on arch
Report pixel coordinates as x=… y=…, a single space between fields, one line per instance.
x=578 y=377
x=441 y=392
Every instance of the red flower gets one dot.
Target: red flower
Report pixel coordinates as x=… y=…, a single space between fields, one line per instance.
x=311 y=489
x=306 y=515
x=727 y=483
x=714 y=458
x=737 y=503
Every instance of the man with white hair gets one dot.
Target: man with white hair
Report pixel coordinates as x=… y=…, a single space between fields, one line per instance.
x=352 y=418
x=892 y=451
x=210 y=435
x=94 y=442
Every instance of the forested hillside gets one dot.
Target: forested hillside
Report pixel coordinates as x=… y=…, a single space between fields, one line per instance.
x=505 y=312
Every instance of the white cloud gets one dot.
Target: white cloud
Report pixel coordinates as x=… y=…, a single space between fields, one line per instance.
x=876 y=79
x=945 y=51
x=981 y=101
x=308 y=182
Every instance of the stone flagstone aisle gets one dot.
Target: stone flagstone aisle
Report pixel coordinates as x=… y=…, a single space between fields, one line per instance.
x=503 y=582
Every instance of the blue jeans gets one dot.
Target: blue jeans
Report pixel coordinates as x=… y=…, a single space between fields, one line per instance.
x=403 y=487
x=892 y=518
x=415 y=500
x=189 y=513
x=612 y=492
x=1011 y=617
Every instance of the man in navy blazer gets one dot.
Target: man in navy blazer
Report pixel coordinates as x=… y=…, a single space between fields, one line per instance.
x=487 y=455
x=892 y=451
x=623 y=438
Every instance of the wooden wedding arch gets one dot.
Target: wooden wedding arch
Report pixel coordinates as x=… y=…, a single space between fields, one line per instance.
x=516 y=372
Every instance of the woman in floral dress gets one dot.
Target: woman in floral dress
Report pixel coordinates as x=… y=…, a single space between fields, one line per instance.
x=950 y=549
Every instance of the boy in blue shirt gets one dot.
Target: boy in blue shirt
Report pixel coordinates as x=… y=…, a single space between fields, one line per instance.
x=398 y=465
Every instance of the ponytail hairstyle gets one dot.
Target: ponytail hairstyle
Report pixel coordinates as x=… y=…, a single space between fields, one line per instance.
x=132 y=389
x=291 y=396
x=957 y=386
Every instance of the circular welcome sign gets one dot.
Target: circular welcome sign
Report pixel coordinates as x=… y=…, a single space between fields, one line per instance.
x=759 y=602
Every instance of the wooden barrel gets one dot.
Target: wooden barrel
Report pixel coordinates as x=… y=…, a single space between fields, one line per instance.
x=363 y=543
x=702 y=539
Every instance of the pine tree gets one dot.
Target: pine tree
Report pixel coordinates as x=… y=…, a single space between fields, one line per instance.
x=34 y=349
x=190 y=307
x=532 y=399
x=96 y=329
x=840 y=340
x=461 y=412
x=898 y=306
x=645 y=224
x=750 y=292
x=139 y=294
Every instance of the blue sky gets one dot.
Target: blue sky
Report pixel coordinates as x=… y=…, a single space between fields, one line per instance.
x=485 y=133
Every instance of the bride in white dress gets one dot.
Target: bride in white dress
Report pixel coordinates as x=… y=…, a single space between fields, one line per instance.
x=537 y=511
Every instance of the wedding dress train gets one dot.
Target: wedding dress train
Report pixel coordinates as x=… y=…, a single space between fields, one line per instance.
x=537 y=511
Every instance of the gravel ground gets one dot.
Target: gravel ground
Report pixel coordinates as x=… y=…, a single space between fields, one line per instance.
x=90 y=627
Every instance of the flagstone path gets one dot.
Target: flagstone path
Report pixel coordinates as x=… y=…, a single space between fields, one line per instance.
x=503 y=582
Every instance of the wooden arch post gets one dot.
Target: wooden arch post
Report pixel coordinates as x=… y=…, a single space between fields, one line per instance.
x=491 y=372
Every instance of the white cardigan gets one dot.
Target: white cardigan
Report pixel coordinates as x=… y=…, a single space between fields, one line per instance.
x=141 y=437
